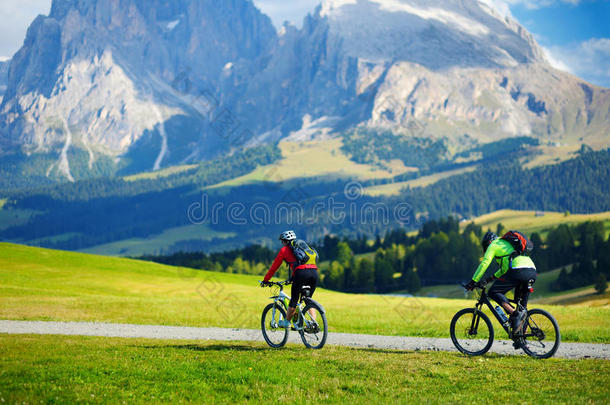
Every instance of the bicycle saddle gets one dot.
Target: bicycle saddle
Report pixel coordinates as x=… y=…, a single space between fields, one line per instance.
x=306 y=291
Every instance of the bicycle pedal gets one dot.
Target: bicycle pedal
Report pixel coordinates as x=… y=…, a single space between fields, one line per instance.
x=517 y=345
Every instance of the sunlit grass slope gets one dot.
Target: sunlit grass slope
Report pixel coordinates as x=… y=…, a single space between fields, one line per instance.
x=134 y=247
x=312 y=159
x=396 y=188
x=160 y=173
x=41 y=284
x=528 y=222
x=75 y=369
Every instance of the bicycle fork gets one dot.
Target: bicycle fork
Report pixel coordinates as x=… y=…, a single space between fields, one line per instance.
x=274 y=324
x=474 y=326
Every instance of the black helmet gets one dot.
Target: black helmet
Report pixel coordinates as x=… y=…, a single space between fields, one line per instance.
x=287 y=236
x=487 y=239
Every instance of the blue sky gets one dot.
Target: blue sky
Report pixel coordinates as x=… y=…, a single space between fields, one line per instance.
x=574 y=33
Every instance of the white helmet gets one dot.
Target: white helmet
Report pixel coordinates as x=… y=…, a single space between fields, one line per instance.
x=288 y=236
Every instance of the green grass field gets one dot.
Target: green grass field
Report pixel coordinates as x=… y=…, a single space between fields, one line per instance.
x=156 y=243
x=313 y=159
x=584 y=296
x=160 y=173
x=11 y=217
x=552 y=154
x=395 y=188
x=41 y=284
x=543 y=294
x=61 y=369
x=528 y=222
x=542 y=288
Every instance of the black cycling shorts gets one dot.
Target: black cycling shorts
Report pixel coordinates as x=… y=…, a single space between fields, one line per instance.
x=514 y=278
x=302 y=277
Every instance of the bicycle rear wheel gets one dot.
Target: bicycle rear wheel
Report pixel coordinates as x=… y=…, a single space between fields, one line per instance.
x=541 y=335
x=274 y=335
x=469 y=335
x=314 y=327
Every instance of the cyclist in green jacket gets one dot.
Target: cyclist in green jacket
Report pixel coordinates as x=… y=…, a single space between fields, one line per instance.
x=515 y=273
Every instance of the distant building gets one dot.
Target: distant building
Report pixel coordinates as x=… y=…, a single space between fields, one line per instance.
x=539 y=213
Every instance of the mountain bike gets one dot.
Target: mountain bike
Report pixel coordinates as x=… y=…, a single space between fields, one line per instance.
x=309 y=320
x=472 y=332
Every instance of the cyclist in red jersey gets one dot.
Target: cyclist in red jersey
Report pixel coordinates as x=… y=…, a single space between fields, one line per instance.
x=301 y=275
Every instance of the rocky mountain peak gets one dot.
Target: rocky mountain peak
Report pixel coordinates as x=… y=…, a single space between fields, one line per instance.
x=146 y=84
x=104 y=70
x=433 y=33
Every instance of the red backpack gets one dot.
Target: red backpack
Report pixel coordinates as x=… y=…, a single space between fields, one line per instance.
x=520 y=242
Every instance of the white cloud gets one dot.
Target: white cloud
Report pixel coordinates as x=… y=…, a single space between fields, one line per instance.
x=536 y=4
x=589 y=59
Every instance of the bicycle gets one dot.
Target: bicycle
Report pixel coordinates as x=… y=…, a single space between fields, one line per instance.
x=539 y=336
x=310 y=323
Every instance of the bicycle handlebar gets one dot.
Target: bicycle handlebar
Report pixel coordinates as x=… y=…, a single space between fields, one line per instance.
x=479 y=284
x=279 y=283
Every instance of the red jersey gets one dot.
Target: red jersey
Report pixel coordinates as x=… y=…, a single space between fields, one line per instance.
x=285 y=254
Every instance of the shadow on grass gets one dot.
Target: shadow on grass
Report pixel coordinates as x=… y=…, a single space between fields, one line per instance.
x=209 y=348
x=402 y=352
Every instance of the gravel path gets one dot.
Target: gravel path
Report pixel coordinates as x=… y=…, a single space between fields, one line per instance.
x=566 y=350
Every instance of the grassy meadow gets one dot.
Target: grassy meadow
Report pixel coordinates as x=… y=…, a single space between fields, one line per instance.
x=396 y=188
x=312 y=159
x=156 y=243
x=528 y=222
x=542 y=287
x=160 y=173
x=70 y=369
x=41 y=284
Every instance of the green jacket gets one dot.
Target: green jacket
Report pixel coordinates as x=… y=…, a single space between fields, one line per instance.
x=501 y=250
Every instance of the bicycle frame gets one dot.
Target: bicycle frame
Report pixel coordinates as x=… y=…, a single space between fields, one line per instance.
x=282 y=298
x=484 y=299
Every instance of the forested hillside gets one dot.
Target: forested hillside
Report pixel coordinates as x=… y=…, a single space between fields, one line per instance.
x=438 y=254
x=94 y=212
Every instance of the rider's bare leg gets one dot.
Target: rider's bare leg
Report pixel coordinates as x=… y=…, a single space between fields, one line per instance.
x=290 y=313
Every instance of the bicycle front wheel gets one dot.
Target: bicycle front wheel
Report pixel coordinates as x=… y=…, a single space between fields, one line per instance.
x=471 y=332
x=274 y=335
x=313 y=327
x=540 y=334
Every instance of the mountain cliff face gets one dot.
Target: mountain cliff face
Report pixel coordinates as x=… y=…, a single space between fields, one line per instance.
x=450 y=69
x=150 y=83
x=105 y=76
x=3 y=78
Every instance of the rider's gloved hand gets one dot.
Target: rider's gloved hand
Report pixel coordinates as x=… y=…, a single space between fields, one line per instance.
x=470 y=286
x=264 y=283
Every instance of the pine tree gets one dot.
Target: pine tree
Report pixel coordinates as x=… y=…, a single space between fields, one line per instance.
x=539 y=253
x=384 y=274
x=366 y=275
x=601 y=284
x=343 y=253
x=412 y=281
